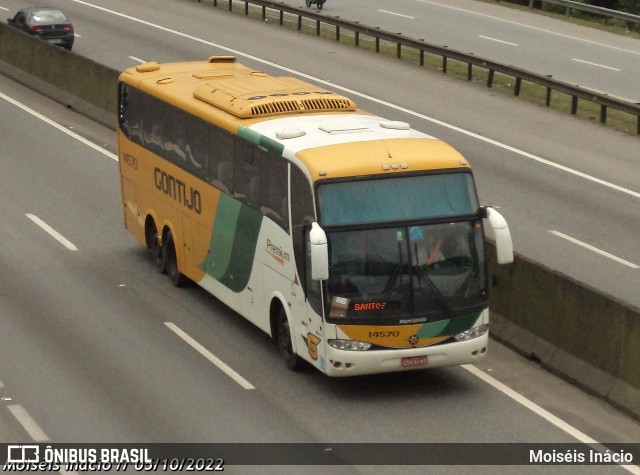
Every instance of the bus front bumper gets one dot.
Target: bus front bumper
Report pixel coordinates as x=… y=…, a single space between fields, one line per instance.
x=353 y=363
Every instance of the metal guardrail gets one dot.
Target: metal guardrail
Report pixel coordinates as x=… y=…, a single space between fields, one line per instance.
x=576 y=92
x=583 y=7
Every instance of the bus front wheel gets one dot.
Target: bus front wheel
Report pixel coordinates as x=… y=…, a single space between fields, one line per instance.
x=290 y=359
x=171 y=261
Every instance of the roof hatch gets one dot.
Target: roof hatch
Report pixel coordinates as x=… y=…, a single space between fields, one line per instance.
x=256 y=94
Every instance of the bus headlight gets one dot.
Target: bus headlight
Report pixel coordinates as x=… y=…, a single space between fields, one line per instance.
x=472 y=333
x=349 y=345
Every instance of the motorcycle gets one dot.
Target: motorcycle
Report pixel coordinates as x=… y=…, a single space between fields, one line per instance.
x=318 y=3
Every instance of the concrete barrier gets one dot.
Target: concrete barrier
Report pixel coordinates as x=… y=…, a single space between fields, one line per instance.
x=571 y=329
x=77 y=82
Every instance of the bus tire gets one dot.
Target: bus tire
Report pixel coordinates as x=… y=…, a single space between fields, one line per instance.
x=290 y=359
x=171 y=261
x=155 y=248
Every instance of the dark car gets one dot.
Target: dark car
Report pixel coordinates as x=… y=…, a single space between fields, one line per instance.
x=48 y=24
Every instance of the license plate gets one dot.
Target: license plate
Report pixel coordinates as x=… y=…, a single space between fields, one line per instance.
x=409 y=361
x=54 y=41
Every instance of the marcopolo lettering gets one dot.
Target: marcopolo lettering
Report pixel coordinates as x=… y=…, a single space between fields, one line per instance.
x=177 y=190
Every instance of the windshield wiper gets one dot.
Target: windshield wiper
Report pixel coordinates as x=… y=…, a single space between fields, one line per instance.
x=436 y=291
x=391 y=283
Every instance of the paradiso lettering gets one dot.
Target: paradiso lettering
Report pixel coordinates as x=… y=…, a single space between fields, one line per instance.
x=177 y=190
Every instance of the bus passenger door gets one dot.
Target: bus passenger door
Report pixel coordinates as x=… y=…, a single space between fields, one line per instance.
x=308 y=322
x=251 y=297
x=308 y=308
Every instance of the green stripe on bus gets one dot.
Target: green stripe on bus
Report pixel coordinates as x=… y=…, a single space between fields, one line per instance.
x=461 y=324
x=233 y=243
x=447 y=327
x=432 y=329
x=244 y=249
x=221 y=245
x=260 y=140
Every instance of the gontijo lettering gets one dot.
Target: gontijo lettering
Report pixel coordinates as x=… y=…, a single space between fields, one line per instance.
x=177 y=190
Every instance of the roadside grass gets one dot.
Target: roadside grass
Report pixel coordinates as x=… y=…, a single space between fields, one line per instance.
x=501 y=83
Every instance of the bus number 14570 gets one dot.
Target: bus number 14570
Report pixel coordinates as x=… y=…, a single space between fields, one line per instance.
x=384 y=334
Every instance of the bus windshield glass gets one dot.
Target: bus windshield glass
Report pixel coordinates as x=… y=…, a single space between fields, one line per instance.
x=393 y=199
x=421 y=273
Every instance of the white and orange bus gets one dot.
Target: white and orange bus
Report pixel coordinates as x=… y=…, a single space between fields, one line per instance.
x=356 y=242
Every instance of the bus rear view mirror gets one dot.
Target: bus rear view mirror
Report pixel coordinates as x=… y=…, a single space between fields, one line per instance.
x=504 y=244
x=319 y=253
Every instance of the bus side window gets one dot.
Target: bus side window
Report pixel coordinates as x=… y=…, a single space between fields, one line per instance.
x=224 y=176
x=131 y=112
x=174 y=139
x=254 y=190
x=274 y=203
x=246 y=166
x=123 y=100
x=196 y=148
x=220 y=145
x=152 y=127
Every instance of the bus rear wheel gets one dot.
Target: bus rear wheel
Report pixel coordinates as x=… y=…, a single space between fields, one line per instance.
x=285 y=346
x=171 y=261
x=155 y=248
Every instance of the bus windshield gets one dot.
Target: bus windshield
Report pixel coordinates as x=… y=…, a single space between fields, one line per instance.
x=397 y=198
x=420 y=273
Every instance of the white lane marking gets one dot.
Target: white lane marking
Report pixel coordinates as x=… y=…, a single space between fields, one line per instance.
x=27 y=422
x=52 y=232
x=397 y=14
x=536 y=409
x=210 y=356
x=58 y=126
x=498 y=41
x=595 y=249
x=495 y=143
x=595 y=64
x=32 y=428
x=137 y=59
x=535 y=28
x=4 y=8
